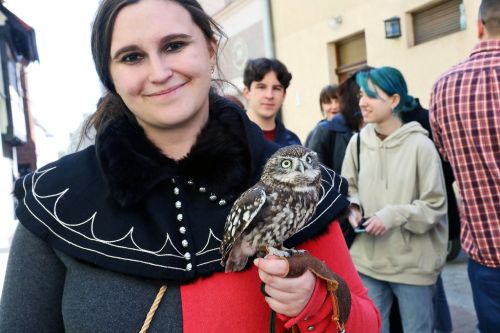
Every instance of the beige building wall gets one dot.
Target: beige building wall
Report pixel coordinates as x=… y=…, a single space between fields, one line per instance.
x=246 y=24
x=304 y=29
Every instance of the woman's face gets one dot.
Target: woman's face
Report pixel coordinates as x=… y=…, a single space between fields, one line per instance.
x=377 y=110
x=331 y=108
x=161 y=65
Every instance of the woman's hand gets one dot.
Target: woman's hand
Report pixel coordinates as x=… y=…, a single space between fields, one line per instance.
x=375 y=226
x=287 y=296
x=354 y=215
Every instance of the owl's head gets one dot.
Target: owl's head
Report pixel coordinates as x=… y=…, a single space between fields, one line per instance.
x=292 y=165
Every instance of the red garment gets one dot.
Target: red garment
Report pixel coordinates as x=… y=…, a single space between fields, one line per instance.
x=233 y=302
x=270 y=135
x=465 y=119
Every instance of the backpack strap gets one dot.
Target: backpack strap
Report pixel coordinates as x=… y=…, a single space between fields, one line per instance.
x=358 y=146
x=358 y=151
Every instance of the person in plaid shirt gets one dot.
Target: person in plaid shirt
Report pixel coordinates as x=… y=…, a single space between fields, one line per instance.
x=465 y=119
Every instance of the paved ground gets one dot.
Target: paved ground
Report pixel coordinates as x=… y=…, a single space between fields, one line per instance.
x=455 y=281
x=458 y=292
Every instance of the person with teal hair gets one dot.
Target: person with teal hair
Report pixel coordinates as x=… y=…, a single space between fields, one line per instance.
x=391 y=82
x=398 y=202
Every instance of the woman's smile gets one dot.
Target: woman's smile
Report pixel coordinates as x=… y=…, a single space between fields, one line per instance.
x=170 y=91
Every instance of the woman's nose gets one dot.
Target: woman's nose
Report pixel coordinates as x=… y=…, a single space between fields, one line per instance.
x=159 y=69
x=362 y=101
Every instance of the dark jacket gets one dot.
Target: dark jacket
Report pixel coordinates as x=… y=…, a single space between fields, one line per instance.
x=309 y=136
x=329 y=140
x=285 y=137
x=124 y=206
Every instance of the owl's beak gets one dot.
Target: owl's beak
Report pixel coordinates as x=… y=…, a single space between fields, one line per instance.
x=301 y=166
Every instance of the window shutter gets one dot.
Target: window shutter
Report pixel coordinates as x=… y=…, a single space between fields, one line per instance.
x=437 y=21
x=351 y=55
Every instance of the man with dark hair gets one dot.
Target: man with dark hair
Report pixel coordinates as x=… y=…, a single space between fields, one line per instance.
x=465 y=120
x=266 y=81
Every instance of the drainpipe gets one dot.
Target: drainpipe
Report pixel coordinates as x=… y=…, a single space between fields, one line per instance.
x=268 y=28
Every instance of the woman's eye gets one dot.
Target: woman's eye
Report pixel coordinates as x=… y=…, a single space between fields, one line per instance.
x=286 y=164
x=309 y=159
x=174 y=46
x=131 y=58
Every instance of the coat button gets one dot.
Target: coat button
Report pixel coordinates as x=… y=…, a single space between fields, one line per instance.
x=310 y=328
x=213 y=197
x=190 y=182
x=222 y=202
x=178 y=204
x=187 y=256
x=176 y=190
x=179 y=217
x=182 y=230
x=189 y=267
x=202 y=189
x=184 y=243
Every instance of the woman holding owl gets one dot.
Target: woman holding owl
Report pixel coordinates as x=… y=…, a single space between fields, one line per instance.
x=124 y=236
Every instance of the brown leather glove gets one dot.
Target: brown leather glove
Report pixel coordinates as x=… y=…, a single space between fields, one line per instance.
x=301 y=261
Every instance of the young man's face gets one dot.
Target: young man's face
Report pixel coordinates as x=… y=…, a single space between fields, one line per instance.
x=266 y=96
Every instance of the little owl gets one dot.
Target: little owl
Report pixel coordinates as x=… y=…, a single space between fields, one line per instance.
x=275 y=208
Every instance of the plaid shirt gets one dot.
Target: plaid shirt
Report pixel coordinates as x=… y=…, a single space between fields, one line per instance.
x=465 y=120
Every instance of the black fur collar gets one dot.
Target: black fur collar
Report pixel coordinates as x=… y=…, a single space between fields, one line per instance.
x=220 y=159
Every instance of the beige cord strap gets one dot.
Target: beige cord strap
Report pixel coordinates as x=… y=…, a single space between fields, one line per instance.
x=152 y=310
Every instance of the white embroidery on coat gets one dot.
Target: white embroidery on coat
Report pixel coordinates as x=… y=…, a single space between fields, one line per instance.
x=168 y=249
x=324 y=194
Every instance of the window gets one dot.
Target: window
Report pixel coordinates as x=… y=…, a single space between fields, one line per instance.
x=350 y=54
x=437 y=21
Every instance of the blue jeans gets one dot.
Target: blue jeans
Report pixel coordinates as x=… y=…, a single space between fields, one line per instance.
x=485 y=283
x=442 y=315
x=415 y=304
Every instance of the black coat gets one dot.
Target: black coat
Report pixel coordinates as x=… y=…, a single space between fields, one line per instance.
x=330 y=139
x=285 y=137
x=124 y=206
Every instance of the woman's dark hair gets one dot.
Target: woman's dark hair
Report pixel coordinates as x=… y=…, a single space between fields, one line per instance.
x=235 y=100
x=111 y=105
x=328 y=93
x=348 y=96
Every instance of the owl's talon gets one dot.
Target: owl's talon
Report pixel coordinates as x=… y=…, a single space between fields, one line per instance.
x=284 y=253
x=299 y=251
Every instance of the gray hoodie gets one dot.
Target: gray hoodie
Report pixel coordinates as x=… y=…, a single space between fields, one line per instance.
x=401 y=182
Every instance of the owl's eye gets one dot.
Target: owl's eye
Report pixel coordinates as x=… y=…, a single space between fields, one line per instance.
x=286 y=164
x=309 y=159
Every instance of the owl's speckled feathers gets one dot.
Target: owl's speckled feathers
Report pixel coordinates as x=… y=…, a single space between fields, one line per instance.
x=275 y=208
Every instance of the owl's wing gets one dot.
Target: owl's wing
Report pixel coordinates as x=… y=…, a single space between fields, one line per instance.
x=244 y=210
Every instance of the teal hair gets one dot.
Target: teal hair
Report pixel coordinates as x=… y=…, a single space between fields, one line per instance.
x=390 y=81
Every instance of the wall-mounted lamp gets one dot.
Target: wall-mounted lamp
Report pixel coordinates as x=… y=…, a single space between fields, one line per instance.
x=334 y=21
x=392 y=27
